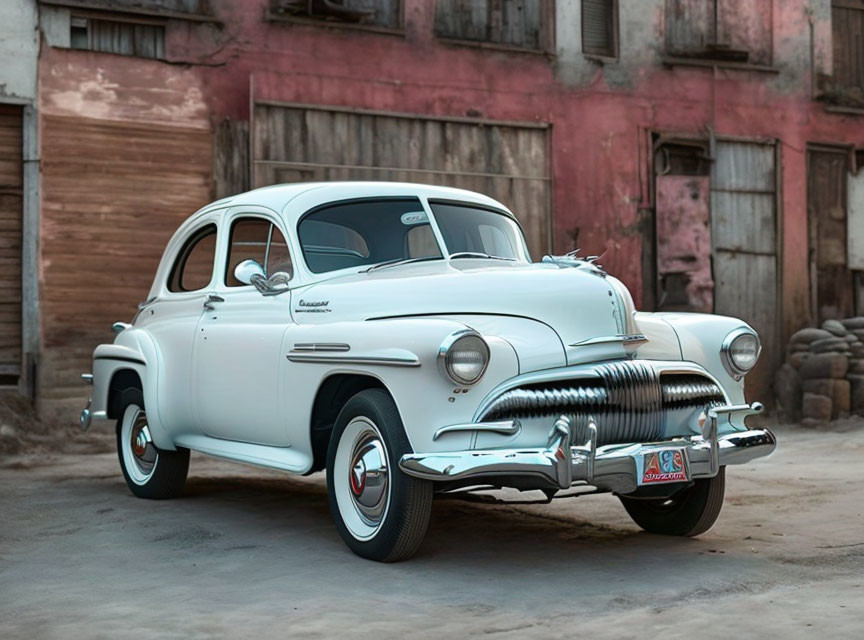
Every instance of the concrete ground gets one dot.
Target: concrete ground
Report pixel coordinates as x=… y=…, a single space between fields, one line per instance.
x=252 y=553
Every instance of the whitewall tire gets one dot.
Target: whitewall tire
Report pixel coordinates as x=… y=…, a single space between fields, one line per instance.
x=149 y=472
x=380 y=512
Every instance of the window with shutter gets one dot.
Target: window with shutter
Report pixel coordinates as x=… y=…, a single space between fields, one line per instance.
x=730 y=30
x=520 y=24
x=599 y=27
x=847 y=30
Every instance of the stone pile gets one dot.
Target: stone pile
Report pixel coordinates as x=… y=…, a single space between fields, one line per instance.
x=823 y=376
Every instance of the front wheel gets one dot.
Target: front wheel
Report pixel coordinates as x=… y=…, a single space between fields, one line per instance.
x=380 y=512
x=149 y=472
x=689 y=512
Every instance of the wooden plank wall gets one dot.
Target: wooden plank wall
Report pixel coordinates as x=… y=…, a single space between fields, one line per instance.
x=508 y=163
x=11 y=210
x=847 y=34
x=230 y=158
x=113 y=193
x=744 y=239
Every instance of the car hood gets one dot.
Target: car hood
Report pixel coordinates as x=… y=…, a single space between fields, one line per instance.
x=577 y=303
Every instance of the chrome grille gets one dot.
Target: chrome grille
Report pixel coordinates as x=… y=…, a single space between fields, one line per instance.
x=629 y=400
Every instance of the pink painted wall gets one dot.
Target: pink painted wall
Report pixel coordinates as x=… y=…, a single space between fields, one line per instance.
x=600 y=114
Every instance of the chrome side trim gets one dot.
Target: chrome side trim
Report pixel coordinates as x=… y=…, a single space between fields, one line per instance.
x=391 y=361
x=506 y=427
x=628 y=339
x=320 y=346
x=87 y=378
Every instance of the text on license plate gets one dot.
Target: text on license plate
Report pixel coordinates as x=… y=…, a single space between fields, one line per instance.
x=664 y=465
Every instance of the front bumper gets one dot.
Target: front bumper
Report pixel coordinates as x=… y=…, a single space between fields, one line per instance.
x=613 y=467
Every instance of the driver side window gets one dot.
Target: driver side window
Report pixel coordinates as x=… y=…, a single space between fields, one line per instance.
x=259 y=240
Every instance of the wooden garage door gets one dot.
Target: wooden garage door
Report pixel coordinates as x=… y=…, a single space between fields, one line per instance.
x=11 y=198
x=744 y=239
x=509 y=162
x=113 y=193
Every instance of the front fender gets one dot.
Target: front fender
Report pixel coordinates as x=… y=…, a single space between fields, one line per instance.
x=425 y=398
x=700 y=336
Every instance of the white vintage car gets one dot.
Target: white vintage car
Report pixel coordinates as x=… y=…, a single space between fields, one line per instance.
x=400 y=337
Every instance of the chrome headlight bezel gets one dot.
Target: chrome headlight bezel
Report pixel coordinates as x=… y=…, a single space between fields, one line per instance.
x=735 y=370
x=446 y=350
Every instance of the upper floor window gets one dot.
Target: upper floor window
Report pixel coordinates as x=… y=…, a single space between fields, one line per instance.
x=728 y=30
x=524 y=24
x=375 y=13
x=193 y=267
x=259 y=240
x=600 y=28
x=126 y=38
x=847 y=31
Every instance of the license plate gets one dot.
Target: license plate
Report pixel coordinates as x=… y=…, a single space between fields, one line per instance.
x=664 y=465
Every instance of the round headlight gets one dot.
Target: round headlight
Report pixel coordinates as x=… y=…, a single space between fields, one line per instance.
x=740 y=351
x=463 y=357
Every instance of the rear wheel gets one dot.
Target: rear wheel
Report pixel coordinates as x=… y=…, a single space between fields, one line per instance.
x=689 y=512
x=149 y=472
x=380 y=512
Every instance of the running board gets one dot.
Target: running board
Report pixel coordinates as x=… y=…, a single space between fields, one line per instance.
x=283 y=458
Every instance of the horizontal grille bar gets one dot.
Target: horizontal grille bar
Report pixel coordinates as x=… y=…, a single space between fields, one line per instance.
x=628 y=399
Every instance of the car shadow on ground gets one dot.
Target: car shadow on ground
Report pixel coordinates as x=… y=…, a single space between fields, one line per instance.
x=539 y=536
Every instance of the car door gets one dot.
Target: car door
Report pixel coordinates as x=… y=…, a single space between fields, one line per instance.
x=172 y=318
x=238 y=354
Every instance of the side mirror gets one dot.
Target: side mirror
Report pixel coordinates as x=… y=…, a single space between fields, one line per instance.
x=248 y=272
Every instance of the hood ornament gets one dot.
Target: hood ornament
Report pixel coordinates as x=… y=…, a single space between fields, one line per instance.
x=571 y=259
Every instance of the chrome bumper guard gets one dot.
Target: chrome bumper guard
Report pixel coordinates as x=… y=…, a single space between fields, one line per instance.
x=611 y=467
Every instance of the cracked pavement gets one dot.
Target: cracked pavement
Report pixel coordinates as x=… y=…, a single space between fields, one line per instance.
x=247 y=552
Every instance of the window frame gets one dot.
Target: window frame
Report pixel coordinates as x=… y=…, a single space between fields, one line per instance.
x=672 y=57
x=119 y=18
x=546 y=46
x=228 y=222
x=299 y=20
x=616 y=39
x=179 y=259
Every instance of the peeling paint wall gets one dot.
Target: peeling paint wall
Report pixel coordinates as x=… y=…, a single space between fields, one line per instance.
x=602 y=112
x=19 y=50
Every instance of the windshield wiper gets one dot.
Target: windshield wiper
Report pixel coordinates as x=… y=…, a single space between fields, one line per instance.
x=397 y=261
x=477 y=254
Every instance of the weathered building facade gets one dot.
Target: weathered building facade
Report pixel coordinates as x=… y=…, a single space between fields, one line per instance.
x=706 y=148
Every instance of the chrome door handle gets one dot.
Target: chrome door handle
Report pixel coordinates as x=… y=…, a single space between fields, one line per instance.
x=208 y=303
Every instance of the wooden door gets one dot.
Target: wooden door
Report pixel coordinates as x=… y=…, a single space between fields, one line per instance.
x=832 y=291
x=744 y=239
x=11 y=214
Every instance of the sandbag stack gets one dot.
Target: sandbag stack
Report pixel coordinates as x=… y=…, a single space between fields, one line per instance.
x=823 y=376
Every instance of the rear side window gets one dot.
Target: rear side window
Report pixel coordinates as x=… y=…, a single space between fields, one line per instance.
x=193 y=267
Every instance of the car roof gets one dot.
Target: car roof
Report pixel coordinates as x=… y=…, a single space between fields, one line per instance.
x=277 y=197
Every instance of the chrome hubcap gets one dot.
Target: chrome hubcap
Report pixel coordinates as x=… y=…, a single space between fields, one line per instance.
x=368 y=477
x=142 y=444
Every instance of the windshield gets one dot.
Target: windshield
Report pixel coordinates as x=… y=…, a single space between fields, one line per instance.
x=379 y=233
x=472 y=232
x=366 y=233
